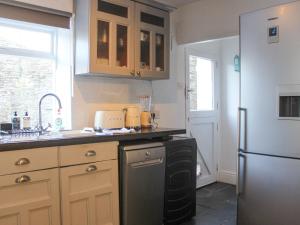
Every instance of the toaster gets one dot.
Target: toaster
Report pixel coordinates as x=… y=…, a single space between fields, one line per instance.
x=109 y=119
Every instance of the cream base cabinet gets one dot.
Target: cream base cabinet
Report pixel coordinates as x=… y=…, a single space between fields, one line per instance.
x=30 y=199
x=89 y=194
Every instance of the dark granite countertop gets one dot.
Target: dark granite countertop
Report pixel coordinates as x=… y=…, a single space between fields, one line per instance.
x=10 y=143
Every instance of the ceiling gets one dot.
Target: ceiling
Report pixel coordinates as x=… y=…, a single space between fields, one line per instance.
x=177 y=2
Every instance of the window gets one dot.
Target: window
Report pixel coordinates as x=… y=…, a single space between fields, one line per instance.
x=201 y=84
x=34 y=60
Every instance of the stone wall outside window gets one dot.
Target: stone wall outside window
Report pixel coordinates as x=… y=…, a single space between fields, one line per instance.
x=23 y=80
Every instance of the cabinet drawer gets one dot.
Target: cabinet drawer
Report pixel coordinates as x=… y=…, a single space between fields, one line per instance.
x=87 y=153
x=28 y=160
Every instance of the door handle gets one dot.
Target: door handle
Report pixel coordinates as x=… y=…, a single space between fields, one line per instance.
x=22 y=162
x=91 y=168
x=90 y=153
x=147 y=163
x=132 y=73
x=241 y=173
x=23 y=179
x=244 y=148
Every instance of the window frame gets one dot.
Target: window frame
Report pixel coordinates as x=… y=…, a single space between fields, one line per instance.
x=212 y=64
x=61 y=67
x=26 y=52
x=214 y=58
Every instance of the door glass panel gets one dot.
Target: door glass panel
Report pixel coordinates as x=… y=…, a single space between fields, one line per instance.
x=113 y=9
x=122 y=46
x=201 y=84
x=152 y=19
x=145 y=50
x=160 y=52
x=103 y=42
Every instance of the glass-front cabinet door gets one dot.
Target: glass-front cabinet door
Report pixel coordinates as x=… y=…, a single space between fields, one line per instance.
x=152 y=43
x=112 y=37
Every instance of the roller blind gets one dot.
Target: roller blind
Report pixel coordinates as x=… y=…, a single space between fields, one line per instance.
x=34 y=14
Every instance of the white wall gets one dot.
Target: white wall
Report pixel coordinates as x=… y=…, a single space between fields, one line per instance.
x=229 y=108
x=213 y=19
x=96 y=93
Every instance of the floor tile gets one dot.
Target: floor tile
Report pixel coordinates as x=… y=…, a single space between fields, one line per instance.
x=216 y=205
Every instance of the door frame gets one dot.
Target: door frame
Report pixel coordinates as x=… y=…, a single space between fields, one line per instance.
x=217 y=79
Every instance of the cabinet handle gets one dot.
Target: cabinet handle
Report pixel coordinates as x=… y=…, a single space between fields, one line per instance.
x=23 y=179
x=22 y=162
x=90 y=153
x=132 y=73
x=91 y=168
x=139 y=74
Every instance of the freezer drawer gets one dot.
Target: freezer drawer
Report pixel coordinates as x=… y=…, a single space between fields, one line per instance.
x=269 y=190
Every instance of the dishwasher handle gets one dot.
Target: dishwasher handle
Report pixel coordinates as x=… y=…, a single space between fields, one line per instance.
x=146 y=163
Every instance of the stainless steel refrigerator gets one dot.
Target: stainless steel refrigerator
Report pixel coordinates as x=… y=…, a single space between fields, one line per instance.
x=269 y=117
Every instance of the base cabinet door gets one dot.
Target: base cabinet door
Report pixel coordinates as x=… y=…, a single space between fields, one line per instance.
x=89 y=194
x=30 y=199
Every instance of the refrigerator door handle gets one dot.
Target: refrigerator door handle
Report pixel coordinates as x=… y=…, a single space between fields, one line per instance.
x=242 y=139
x=241 y=173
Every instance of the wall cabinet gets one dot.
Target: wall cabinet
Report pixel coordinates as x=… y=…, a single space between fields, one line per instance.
x=61 y=5
x=121 y=38
x=152 y=51
x=30 y=199
x=112 y=33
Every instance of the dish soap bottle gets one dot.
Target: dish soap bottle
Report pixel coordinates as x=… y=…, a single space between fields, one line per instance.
x=26 y=121
x=16 y=121
x=58 y=124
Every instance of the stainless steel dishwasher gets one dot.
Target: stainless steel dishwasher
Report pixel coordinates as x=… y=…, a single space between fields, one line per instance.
x=142 y=180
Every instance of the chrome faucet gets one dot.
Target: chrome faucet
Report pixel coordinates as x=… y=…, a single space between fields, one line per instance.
x=41 y=129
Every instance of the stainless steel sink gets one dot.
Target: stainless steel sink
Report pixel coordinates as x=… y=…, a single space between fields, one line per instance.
x=43 y=137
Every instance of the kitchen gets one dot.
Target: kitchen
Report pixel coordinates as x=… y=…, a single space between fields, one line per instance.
x=142 y=50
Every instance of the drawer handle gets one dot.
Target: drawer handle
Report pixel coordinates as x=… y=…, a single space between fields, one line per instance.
x=90 y=154
x=91 y=168
x=22 y=162
x=23 y=179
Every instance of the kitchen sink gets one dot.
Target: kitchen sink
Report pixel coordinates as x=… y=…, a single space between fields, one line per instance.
x=46 y=136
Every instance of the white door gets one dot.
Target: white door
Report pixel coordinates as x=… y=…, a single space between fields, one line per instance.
x=203 y=112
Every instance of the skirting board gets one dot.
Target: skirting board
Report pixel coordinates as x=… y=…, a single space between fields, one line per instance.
x=227 y=176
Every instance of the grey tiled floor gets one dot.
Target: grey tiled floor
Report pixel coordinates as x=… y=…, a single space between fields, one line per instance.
x=216 y=205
